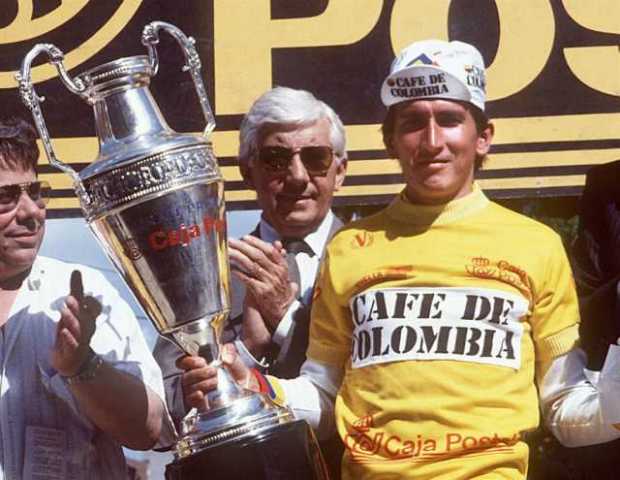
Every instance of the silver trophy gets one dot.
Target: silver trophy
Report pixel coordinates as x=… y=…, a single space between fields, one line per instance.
x=154 y=199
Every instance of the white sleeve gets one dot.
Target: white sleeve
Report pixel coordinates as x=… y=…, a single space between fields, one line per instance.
x=312 y=395
x=282 y=332
x=579 y=406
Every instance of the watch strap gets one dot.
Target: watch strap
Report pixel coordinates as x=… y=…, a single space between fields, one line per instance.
x=88 y=369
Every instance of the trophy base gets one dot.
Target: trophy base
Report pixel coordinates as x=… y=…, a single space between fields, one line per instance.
x=284 y=451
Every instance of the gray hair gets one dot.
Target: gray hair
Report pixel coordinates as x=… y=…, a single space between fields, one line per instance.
x=288 y=108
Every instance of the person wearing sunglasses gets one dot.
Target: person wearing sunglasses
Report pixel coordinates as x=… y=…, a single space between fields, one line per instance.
x=435 y=340
x=77 y=379
x=292 y=154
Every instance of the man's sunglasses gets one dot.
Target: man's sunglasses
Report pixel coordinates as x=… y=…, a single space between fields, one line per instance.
x=316 y=158
x=39 y=192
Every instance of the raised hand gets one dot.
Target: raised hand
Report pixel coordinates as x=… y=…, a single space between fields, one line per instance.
x=75 y=328
x=262 y=267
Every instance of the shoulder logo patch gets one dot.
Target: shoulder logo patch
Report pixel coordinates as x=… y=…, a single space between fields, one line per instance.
x=362 y=239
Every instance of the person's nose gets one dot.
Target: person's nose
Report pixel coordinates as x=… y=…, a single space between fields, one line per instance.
x=297 y=172
x=432 y=138
x=28 y=211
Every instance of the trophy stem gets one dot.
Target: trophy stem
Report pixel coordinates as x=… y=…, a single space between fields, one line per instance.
x=227 y=390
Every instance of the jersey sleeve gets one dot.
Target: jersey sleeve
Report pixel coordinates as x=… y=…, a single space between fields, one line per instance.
x=555 y=314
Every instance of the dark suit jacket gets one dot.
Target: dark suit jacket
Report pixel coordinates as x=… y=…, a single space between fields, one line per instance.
x=596 y=262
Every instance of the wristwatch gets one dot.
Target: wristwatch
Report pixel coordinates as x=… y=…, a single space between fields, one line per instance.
x=88 y=369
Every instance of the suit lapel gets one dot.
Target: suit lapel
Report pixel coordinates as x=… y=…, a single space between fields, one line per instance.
x=336 y=225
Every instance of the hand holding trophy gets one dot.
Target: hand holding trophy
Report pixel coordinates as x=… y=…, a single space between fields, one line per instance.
x=154 y=199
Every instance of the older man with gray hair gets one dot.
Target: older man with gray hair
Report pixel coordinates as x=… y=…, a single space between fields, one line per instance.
x=292 y=153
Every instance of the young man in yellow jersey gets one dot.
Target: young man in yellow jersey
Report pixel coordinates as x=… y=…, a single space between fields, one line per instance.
x=441 y=324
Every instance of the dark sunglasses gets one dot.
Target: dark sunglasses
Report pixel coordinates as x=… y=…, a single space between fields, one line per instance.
x=39 y=192
x=316 y=158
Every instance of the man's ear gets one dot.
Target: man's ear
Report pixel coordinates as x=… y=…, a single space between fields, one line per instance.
x=485 y=138
x=246 y=174
x=388 y=141
x=341 y=171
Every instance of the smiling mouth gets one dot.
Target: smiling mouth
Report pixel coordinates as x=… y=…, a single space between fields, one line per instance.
x=294 y=198
x=293 y=203
x=431 y=166
x=23 y=235
x=432 y=161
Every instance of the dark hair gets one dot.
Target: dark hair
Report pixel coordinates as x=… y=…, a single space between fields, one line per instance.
x=18 y=144
x=480 y=119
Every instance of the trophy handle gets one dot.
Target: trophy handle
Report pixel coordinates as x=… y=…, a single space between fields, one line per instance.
x=150 y=38
x=32 y=100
